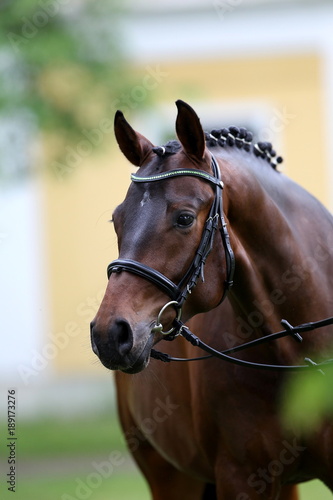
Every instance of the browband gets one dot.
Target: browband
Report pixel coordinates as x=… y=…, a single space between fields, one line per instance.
x=176 y=173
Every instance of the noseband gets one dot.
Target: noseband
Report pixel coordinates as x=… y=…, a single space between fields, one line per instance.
x=179 y=292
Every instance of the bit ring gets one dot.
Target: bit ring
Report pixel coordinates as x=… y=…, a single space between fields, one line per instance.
x=158 y=328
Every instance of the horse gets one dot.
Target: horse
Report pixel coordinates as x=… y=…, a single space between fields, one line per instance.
x=209 y=429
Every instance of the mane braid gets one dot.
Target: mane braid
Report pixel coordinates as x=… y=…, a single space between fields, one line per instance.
x=242 y=139
x=170 y=148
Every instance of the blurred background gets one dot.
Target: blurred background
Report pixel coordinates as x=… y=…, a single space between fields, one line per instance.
x=65 y=68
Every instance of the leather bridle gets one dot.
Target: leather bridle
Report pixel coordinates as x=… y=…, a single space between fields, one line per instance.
x=179 y=292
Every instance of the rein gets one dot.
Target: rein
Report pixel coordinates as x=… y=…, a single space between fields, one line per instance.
x=294 y=331
x=179 y=292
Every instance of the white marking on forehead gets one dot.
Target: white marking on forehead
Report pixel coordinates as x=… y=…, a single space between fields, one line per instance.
x=146 y=198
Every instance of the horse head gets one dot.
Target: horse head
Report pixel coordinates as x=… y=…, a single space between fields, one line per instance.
x=160 y=226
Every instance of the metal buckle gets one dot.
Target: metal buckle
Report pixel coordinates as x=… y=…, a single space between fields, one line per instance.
x=158 y=328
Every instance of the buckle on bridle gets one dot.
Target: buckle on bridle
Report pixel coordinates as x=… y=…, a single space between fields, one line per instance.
x=158 y=328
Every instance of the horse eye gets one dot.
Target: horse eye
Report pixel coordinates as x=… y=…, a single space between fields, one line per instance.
x=185 y=220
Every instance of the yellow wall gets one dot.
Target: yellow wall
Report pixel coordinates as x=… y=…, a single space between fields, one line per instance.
x=290 y=83
x=79 y=239
x=80 y=244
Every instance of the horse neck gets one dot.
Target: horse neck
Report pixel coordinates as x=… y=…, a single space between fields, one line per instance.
x=268 y=256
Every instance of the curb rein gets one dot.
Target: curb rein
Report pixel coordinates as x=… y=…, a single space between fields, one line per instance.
x=179 y=293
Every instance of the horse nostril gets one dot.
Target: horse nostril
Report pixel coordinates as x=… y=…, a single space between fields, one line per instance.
x=121 y=335
x=113 y=343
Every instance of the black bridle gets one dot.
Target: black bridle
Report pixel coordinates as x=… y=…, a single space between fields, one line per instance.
x=179 y=292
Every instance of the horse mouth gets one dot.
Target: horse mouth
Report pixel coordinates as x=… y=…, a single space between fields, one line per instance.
x=132 y=363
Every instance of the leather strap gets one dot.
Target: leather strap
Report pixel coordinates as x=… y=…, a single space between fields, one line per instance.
x=166 y=285
x=192 y=172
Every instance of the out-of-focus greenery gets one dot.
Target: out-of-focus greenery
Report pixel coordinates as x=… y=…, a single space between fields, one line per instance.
x=127 y=485
x=59 y=458
x=56 y=437
x=309 y=399
x=60 y=63
x=48 y=446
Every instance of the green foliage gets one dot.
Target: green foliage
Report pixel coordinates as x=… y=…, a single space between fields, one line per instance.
x=50 y=40
x=309 y=399
x=60 y=63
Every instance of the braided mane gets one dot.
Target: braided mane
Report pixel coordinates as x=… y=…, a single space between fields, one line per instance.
x=233 y=136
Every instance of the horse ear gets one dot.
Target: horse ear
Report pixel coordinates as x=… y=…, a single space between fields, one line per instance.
x=189 y=130
x=132 y=144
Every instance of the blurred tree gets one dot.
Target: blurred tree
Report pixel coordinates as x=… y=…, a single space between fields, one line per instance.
x=60 y=70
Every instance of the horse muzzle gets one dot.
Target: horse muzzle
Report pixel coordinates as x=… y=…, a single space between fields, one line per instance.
x=119 y=348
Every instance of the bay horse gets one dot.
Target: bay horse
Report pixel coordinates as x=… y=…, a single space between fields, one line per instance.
x=208 y=429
